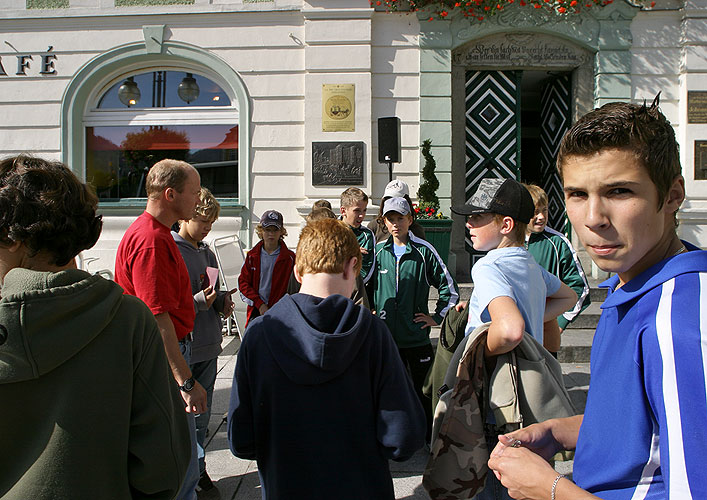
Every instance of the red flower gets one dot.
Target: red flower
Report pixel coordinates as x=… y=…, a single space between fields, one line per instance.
x=378 y=2
x=537 y=6
x=458 y=4
x=480 y=18
x=652 y=4
x=487 y=8
x=561 y=10
x=444 y=13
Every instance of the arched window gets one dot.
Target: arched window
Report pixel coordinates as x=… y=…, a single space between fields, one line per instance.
x=142 y=117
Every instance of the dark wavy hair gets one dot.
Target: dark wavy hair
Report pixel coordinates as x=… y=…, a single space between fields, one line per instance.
x=47 y=208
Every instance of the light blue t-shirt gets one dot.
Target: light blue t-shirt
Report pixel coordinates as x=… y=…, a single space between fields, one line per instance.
x=399 y=250
x=511 y=272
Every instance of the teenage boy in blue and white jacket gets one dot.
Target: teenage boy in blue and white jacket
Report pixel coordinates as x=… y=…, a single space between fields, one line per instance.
x=643 y=433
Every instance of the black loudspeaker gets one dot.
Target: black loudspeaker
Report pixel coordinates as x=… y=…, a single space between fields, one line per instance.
x=389 y=139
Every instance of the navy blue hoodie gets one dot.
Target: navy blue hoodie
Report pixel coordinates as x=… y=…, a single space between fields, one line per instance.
x=321 y=399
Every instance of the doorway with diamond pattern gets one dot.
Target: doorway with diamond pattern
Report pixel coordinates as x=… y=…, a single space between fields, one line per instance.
x=514 y=121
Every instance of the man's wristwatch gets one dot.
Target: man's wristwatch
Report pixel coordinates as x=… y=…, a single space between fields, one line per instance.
x=188 y=385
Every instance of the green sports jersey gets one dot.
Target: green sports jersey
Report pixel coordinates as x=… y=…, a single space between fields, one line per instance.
x=553 y=251
x=367 y=241
x=401 y=289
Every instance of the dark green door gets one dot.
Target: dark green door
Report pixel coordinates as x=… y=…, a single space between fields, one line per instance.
x=555 y=119
x=492 y=128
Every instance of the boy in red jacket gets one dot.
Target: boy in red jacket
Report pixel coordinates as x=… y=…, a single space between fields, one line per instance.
x=267 y=267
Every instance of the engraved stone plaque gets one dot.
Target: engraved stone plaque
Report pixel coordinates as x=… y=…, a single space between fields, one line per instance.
x=337 y=163
x=520 y=49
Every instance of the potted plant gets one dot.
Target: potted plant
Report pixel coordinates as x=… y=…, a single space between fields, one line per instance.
x=438 y=227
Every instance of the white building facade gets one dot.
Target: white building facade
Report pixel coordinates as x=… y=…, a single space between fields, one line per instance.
x=493 y=96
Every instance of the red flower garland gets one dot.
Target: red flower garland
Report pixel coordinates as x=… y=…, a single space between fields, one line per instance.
x=474 y=9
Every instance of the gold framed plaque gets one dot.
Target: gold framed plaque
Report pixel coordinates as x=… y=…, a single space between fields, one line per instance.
x=338 y=107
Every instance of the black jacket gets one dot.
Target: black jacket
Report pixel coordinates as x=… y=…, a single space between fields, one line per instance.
x=321 y=399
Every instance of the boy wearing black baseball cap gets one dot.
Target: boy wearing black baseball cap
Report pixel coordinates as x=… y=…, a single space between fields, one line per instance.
x=510 y=289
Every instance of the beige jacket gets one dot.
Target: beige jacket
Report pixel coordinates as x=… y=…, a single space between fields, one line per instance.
x=525 y=387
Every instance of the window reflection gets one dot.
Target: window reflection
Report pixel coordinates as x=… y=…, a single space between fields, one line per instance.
x=119 y=157
x=161 y=89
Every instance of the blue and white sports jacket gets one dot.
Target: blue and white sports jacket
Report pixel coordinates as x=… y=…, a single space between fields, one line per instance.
x=644 y=433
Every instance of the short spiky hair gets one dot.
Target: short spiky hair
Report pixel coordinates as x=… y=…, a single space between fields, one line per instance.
x=643 y=130
x=352 y=196
x=325 y=246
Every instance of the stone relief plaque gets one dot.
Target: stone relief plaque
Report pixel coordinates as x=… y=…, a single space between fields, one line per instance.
x=337 y=163
x=700 y=160
x=521 y=49
x=696 y=106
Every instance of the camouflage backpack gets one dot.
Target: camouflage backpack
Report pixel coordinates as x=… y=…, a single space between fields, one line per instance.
x=457 y=465
x=525 y=387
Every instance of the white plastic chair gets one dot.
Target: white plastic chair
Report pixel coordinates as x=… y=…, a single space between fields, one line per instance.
x=230 y=257
x=84 y=261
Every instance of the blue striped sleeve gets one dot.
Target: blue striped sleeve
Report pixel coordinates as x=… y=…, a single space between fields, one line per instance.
x=676 y=382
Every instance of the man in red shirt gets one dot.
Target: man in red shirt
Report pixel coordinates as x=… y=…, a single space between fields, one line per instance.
x=148 y=265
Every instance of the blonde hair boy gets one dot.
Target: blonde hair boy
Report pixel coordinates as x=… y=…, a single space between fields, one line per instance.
x=354 y=203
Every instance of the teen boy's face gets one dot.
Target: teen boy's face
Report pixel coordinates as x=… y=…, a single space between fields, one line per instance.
x=355 y=214
x=613 y=205
x=398 y=224
x=484 y=231
x=539 y=220
x=198 y=228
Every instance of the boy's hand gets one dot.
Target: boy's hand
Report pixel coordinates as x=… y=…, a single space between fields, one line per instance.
x=461 y=306
x=228 y=304
x=263 y=309
x=364 y=251
x=425 y=319
x=210 y=295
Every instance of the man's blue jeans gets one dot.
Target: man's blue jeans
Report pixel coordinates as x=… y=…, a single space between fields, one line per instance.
x=188 y=490
x=204 y=372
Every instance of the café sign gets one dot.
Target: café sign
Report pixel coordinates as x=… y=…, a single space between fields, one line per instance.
x=24 y=61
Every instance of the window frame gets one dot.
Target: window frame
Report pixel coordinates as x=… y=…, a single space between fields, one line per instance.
x=182 y=115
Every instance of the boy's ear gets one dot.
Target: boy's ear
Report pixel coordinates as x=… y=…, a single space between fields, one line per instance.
x=349 y=268
x=507 y=225
x=676 y=195
x=297 y=276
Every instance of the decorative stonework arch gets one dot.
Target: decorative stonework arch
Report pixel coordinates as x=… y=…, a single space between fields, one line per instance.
x=93 y=77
